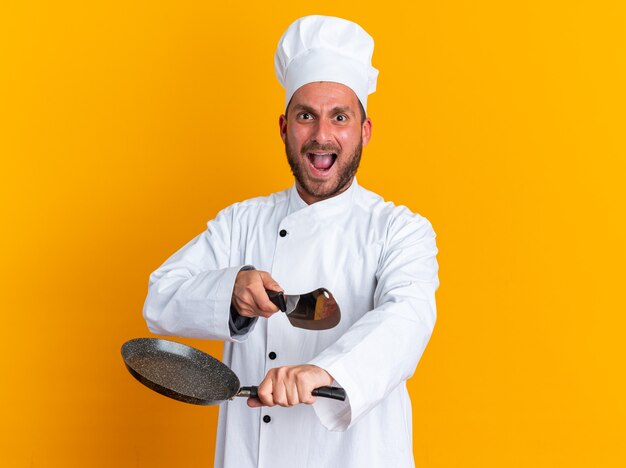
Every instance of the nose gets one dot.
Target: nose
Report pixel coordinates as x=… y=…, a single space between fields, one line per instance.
x=323 y=131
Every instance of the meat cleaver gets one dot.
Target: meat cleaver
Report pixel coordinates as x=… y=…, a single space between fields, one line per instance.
x=316 y=310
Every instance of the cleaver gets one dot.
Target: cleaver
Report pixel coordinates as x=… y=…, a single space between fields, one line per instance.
x=316 y=310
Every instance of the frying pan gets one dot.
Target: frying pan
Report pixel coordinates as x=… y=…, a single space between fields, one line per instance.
x=187 y=374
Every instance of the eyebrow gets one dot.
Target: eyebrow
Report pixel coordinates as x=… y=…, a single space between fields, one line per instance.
x=334 y=110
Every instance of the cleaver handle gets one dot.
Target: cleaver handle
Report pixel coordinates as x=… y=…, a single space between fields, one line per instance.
x=278 y=298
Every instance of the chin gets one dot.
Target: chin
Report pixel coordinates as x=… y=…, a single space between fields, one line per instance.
x=323 y=190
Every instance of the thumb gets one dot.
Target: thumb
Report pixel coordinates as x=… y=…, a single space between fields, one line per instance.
x=269 y=282
x=254 y=403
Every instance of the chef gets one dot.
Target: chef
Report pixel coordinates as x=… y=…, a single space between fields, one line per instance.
x=378 y=259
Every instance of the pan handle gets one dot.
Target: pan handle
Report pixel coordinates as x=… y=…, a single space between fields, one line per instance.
x=334 y=393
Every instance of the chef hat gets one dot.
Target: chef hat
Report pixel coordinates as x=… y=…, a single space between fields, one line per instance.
x=325 y=48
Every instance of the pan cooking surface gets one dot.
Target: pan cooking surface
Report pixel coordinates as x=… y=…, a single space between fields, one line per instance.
x=179 y=371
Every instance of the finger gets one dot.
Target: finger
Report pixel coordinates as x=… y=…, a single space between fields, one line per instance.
x=263 y=303
x=254 y=403
x=245 y=306
x=305 y=395
x=269 y=282
x=279 y=392
x=293 y=395
x=304 y=388
x=311 y=378
x=265 y=390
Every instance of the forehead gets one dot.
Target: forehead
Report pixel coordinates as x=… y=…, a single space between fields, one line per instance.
x=323 y=95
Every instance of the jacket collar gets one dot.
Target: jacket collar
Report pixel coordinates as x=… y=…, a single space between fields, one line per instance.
x=324 y=208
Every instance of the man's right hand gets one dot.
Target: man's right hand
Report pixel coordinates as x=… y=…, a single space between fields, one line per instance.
x=249 y=296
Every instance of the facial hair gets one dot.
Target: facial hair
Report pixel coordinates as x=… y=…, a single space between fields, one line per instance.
x=315 y=189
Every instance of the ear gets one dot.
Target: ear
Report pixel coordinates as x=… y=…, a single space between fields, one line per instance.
x=282 y=124
x=366 y=131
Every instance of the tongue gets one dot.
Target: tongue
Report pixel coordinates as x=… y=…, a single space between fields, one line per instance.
x=322 y=161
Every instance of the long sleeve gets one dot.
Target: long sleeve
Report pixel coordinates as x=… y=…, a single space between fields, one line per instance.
x=381 y=350
x=190 y=294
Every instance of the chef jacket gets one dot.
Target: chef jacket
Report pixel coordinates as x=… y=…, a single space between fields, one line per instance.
x=379 y=262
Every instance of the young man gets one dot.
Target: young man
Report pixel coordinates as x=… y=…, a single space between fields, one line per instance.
x=378 y=260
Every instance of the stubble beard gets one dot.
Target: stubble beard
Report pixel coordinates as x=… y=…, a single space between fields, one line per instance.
x=316 y=189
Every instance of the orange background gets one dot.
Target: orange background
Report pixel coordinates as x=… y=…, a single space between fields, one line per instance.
x=127 y=125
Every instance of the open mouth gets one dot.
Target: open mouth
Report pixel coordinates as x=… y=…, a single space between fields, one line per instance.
x=322 y=161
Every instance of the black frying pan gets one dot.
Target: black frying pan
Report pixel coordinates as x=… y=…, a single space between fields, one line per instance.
x=190 y=375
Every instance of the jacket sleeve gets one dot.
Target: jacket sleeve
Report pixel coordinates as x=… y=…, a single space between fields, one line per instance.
x=381 y=350
x=190 y=294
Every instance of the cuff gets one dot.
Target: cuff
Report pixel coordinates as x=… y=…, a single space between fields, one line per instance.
x=237 y=324
x=335 y=415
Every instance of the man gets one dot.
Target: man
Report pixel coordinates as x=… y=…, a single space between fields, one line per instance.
x=378 y=259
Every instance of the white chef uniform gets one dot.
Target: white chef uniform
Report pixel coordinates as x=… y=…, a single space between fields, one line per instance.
x=378 y=260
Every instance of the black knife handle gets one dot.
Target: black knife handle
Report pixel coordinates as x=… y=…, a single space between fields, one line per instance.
x=278 y=298
x=334 y=393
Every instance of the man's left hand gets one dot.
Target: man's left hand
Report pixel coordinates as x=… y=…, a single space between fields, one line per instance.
x=290 y=385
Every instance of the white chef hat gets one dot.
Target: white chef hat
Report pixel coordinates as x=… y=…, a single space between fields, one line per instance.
x=325 y=48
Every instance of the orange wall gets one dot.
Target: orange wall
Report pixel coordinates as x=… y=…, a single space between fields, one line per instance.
x=127 y=125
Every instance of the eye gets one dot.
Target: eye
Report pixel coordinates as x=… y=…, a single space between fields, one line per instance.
x=341 y=118
x=305 y=116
